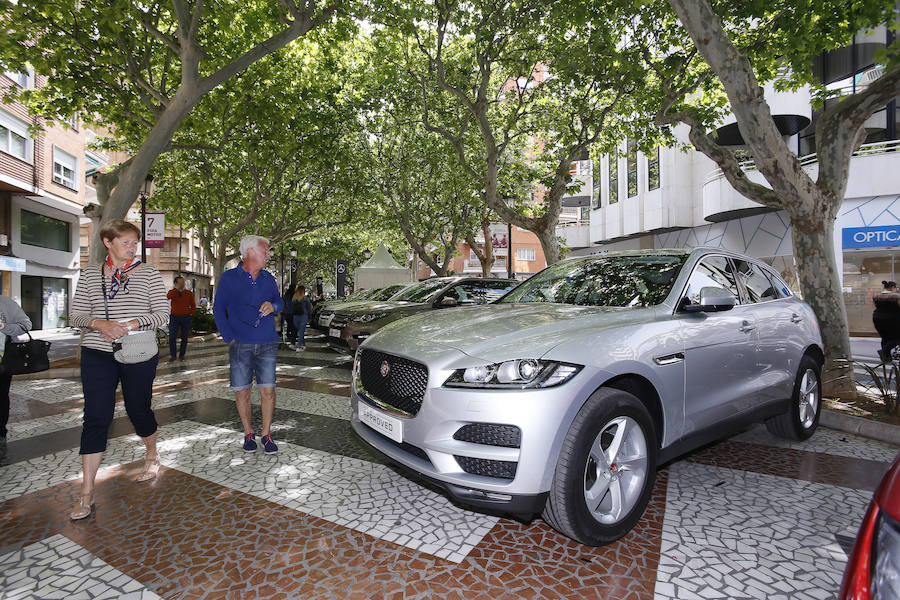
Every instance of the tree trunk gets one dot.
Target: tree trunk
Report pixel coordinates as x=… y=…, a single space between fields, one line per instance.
x=813 y=239
x=132 y=175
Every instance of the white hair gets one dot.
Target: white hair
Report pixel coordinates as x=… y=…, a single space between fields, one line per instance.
x=251 y=241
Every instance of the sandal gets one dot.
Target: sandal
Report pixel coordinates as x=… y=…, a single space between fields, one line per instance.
x=151 y=469
x=84 y=508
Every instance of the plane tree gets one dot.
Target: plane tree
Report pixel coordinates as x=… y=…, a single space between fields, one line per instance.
x=273 y=156
x=708 y=58
x=140 y=68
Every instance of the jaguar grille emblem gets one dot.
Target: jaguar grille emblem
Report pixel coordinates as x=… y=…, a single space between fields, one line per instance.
x=385 y=368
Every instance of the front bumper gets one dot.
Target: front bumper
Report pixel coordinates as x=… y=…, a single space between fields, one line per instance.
x=429 y=447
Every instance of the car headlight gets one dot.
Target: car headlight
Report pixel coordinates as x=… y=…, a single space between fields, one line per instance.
x=886 y=559
x=518 y=373
x=368 y=317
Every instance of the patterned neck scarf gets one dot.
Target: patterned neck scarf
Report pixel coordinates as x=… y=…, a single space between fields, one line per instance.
x=119 y=276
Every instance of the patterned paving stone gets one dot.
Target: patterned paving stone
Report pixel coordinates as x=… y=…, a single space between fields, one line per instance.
x=736 y=534
x=59 y=568
x=750 y=517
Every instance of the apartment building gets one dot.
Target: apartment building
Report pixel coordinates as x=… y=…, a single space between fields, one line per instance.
x=527 y=255
x=42 y=196
x=670 y=198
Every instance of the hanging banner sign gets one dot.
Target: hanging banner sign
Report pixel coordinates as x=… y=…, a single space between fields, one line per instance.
x=499 y=239
x=155 y=229
x=341 y=271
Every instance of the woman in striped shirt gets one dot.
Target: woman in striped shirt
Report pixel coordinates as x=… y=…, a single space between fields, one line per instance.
x=136 y=299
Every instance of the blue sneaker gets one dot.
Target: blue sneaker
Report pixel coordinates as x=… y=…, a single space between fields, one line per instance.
x=270 y=446
x=249 y=443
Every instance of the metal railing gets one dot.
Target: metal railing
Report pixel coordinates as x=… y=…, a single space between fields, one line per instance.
x=811 y=159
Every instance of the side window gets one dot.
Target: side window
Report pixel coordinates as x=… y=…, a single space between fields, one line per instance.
x=480 y=292
x=781 y=288
x=758 y=285
x=712 y=271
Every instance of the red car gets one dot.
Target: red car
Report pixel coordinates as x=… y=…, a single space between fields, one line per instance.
x=873 y=571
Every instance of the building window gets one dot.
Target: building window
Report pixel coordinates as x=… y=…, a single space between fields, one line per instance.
x=14 y=138
x=65 y=168
x=653 y=170
x=22 y=79
x=613 y=179
x=45 y=232
x=632 y=168
x=527 y=254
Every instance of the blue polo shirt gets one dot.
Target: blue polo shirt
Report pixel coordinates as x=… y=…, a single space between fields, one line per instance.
x=237 y=302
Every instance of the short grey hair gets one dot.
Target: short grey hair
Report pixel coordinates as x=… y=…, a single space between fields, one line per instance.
x=251 y=241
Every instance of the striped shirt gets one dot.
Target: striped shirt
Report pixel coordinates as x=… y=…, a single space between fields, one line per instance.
x=145 y=301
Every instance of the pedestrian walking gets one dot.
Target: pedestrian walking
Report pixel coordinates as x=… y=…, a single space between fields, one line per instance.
x=290 y=332
x=112 y=299
x=245 y=305
x=302 y=309
x=13 y=322
x=183 y=307
x=886 y=318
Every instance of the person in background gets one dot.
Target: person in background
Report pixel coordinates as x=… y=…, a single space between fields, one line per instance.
x=13 y=322
x=886 y=318
x=245 y=305
x=287 y=319
x=183 y=307
x=302 y=309
x=136 y=299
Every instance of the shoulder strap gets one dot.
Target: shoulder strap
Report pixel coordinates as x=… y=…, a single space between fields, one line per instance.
x=103 y=285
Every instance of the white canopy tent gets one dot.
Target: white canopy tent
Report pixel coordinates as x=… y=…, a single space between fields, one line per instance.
x=379 y=271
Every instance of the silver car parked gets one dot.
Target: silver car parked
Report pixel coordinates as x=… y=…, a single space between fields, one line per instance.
x=563 y=397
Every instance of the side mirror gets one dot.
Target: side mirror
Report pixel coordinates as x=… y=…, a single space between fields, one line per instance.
x=713 y=299
x=447 y=302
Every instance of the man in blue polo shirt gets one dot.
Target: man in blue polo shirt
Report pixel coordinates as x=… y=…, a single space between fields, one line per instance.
x=246 y=302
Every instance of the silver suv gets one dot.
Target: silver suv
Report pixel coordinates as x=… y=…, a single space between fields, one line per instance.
x=563 y=397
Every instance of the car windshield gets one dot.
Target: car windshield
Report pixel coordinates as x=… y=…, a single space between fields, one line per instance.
x=607 y=281
x=422 y=291
x=385 y=293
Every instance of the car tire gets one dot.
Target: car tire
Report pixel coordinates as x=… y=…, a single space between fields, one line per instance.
x=802 y=417
x=598 y=493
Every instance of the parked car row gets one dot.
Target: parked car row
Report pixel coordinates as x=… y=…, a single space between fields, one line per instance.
x=351 y=324
x=563 y=396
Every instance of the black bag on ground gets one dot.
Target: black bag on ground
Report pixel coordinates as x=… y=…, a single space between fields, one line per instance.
x=25 y=357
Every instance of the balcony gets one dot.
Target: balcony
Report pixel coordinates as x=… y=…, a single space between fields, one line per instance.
x=575 y=235
x=873 y=172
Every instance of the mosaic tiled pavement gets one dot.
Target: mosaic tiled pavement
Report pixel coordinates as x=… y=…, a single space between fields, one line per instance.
x=748 y=517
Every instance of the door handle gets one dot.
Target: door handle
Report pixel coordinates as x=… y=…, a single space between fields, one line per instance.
x=747 y=326
x=795 y=318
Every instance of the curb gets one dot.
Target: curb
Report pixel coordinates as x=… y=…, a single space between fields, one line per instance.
x=883 y=432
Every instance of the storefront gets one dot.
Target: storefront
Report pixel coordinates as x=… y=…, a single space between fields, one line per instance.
x=871 y=255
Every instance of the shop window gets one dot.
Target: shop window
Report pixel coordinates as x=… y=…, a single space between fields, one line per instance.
x=45 y=232
x=65 y=168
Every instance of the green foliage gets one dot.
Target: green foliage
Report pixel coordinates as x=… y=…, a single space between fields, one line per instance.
x=203 y=321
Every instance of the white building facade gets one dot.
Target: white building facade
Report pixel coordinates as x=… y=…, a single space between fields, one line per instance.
x=676 y=199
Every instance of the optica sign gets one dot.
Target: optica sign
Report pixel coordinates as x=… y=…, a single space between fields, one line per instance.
x=866 y=237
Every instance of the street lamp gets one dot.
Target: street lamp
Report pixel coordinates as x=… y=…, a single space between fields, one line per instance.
x=293 y=268
x=144 y=194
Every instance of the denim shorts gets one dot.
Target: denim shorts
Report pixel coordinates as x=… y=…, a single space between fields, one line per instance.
x=248 y=360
